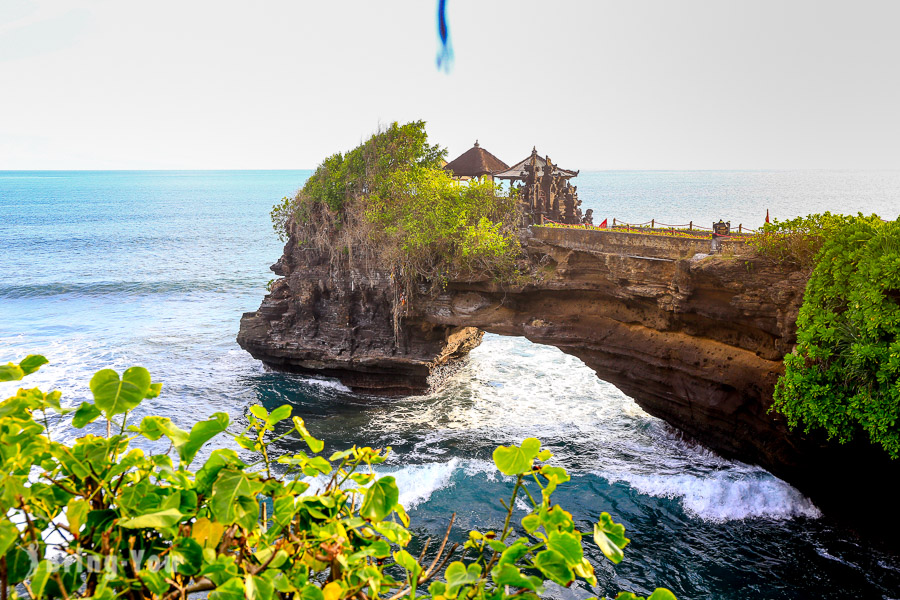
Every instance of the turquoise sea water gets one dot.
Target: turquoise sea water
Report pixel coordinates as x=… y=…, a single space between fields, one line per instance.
x=111 y=269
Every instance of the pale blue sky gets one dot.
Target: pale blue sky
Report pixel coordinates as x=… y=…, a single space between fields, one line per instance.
x=640 y=84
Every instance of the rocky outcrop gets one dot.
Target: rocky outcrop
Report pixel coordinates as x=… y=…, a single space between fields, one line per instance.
x=345 y=323
x=696 y=340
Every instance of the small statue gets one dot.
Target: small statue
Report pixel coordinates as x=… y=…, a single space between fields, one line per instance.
x=588 y=218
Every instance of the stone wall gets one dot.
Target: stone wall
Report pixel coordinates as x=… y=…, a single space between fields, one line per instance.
x=620 y=242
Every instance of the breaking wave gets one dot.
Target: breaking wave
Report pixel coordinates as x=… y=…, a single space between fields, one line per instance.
x=724 y=496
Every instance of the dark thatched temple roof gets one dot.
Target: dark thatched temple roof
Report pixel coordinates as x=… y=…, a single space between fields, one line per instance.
x=475 y=162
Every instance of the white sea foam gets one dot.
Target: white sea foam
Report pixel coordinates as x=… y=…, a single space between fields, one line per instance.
x=418 y=482
x=724 y=495
x=332 y=384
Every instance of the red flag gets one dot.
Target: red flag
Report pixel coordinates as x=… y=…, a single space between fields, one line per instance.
x=767 y=215
x=603 y=224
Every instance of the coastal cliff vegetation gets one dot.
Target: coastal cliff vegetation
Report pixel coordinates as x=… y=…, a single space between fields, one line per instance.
x=105 y=517
x=844 y=374
x=388 y=203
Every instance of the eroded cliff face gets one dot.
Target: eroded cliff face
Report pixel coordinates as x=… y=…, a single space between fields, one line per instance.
x=340 y=322
x=696 y=340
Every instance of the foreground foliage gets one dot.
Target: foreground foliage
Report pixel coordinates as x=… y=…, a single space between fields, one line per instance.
x=844 y=375
x=102 y=519
x=389 y=202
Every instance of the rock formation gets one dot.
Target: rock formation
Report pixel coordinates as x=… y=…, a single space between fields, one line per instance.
x=697 y=341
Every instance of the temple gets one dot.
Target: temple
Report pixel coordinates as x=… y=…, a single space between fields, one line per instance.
x=545 y=189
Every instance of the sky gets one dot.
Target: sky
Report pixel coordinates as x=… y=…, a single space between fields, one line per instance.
x=628 y=84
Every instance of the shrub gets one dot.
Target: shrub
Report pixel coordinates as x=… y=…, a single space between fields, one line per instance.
x=153 y=526
x=797 y=241
x=844 y=375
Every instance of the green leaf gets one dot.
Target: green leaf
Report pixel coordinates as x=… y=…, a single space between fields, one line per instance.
x=458 y=575
x=568 y=545
x=362 y=479
x=221 y=569
x=311 y=592
x=40 y=577
x=259 y=412
x=51 y=400
x=512 y=554
x=233 y=589
x=230 y=493
x=32 y=363
x=154 y=428
x=76 y=512
x=218 y=460
x=114 y=396
x=555 y=518
x=507 y=574
x=406 y=560
x=380 y=499
x=18 y=565
x=201 y=433
x=86 y=413
x=154 y=580
x=11 y=372
x=316 y=465
x=531 y=522
x=662 y=594
x=553 y=565
x=514 y=460
x=187 y=556
x=610 y=537
x=258 y=588
x=585 y=570
x=340 y=454
x=9 y=533
x=560 y=474
x=155 y=520
x=285 y=509
x=279 y=414
x=314 y=444
x=396 y=534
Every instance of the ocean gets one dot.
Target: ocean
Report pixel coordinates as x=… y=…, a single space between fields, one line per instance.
x=154 y=268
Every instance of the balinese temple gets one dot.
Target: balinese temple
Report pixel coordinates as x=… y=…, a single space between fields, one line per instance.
x=545 y=189
x=475 y=162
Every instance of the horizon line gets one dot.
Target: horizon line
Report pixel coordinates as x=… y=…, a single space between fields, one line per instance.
x=591 y=170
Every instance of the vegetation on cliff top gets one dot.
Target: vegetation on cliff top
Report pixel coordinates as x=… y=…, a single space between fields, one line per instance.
x=844 y=375
x=102 y=519
x=388 y=203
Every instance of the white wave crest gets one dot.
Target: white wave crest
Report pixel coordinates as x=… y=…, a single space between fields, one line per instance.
x=418 y=482
x=725 y=496
x=327 y=384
